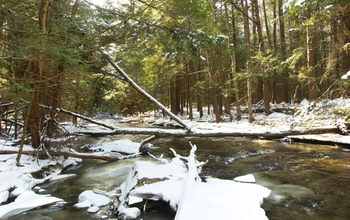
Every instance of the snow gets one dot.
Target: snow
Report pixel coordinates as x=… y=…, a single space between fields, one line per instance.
x=334 y=138
x=70 y=161
x=182 y=188
x=224 y=199
x=249 y=178
x=129 y=213
x=125 y=146
x=92 y=200
x=240 y=198
x=18 y=181
x=346 y=75
x=149 y=170
x=26 y=201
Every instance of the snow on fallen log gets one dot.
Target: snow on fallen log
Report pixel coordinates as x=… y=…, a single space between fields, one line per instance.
x=266 y=133
x=124 y=146
x=321 y=138
x=68 y=153
x=179 y=184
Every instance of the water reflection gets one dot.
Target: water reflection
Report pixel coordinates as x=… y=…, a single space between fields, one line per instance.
x=307 y=181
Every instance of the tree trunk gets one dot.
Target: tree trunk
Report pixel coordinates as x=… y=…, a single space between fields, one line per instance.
x=267 y=25
x=55 y=101
x=266 y=95
x=249 y=80
x=199 y=97
x=34 y=103
x=310 y=61
x=345 y=35
x=274 y=40
x=285 y=75
x=174 y=95
x=233 y=67
x=189 y=86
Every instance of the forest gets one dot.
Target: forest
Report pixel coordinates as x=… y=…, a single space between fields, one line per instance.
x=59 y=54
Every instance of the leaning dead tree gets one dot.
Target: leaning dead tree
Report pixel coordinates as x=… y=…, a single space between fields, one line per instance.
x=143 y=92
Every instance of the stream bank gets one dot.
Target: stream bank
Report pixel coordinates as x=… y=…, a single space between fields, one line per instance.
x=307 y=181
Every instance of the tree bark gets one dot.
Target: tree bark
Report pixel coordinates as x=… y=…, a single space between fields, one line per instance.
x=266 y=94
x=345 y=35
x=258 y=133
x=233 y=67
x=250 y=79
x=267 y=25
x=174 y=96
x=285 y=76
x=310 y=59
x=274 y=40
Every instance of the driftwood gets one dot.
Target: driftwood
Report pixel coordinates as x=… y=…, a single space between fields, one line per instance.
x=266 y=133
x=110 y=157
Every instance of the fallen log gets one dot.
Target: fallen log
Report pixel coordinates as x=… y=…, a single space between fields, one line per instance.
x=13 y=122
x=86 y=118
x=255 y=133
x=108 y=157
x=82 y=117
x=6 y=104
x=329 y=139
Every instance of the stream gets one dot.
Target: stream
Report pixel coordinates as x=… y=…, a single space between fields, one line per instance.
x=307 y=181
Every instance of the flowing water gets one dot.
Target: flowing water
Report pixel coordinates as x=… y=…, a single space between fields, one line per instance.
x=307 y=181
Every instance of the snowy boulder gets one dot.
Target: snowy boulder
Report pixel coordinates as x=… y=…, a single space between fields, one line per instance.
x=129 y=213
x=92 y=200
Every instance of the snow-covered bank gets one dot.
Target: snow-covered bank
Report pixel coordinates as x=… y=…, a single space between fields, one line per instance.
x=26 y=201
x=179 y=184
x=17 y=182
x=323 y=116
x=275 y=123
